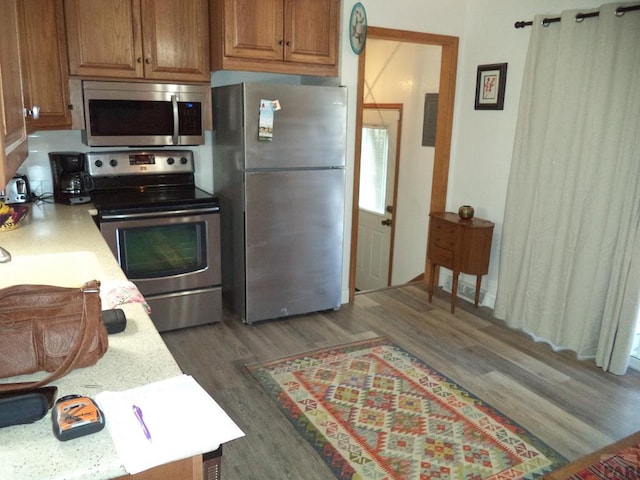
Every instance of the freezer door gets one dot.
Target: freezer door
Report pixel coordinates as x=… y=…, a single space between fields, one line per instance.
x=310 y=130
x=294 y=236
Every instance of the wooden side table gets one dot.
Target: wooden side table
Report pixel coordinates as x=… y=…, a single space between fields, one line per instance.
x=462 y=246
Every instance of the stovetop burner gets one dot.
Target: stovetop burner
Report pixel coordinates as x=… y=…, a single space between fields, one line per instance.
x=152 y=180
x=152 y=198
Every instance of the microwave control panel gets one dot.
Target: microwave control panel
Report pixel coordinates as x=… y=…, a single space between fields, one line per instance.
x=147 y=162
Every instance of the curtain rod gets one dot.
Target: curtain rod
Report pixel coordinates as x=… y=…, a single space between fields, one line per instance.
x=579 y=17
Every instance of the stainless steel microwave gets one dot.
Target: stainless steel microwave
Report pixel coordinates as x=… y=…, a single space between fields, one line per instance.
x=142 y=114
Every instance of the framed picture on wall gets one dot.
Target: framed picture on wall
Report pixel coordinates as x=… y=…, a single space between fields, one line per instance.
x=490 y=85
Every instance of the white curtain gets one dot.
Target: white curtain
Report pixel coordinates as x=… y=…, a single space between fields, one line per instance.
x=568 y=263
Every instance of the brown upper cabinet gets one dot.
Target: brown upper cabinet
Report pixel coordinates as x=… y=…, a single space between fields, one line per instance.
x=13 y=134
x=44 y=64
x=139 y=39
x=280 y=36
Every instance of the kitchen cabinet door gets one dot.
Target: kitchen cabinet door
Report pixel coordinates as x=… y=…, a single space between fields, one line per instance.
x=146 y=39
x=13 y=134
x=176 y=40
x=45 y=77
x=254 y=29
x=281 y=36
x=104 y=38
x=311 y=31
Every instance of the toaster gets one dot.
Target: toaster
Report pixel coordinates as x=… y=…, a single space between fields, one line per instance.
x=16 y=191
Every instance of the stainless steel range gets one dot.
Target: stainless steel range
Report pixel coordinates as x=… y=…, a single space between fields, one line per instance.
x=164 y=231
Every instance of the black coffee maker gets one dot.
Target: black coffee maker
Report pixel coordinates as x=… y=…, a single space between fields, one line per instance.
x=71 y=183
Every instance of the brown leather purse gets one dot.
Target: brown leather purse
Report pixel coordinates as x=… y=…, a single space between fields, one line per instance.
x=49 y=328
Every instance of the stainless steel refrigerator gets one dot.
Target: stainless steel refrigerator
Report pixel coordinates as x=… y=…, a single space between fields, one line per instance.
x=279 y=157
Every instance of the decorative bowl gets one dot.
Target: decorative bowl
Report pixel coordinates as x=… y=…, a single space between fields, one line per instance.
x=466 y=212
x=11 y=216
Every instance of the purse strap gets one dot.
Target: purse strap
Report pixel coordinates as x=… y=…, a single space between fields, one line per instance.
x=89 y=324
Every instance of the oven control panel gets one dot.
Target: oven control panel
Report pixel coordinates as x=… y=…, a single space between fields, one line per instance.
x=139 y=162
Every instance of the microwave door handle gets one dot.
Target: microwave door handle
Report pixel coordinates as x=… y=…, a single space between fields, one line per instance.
x=174 y=105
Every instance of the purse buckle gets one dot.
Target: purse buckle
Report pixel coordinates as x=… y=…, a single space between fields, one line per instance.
x=91 y=287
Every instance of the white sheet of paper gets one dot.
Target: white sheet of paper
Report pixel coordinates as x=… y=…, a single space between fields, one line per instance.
x=182 y=419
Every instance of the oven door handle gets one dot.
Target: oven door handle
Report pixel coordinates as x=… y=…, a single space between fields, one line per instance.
x=176 y=119
x=158 y=214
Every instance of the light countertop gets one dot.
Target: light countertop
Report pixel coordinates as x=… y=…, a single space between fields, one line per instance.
x=61 y=245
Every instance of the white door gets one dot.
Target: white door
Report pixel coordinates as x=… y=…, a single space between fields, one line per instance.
x=377 y=180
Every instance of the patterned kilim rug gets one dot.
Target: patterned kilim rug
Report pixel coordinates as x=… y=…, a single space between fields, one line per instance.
x=374 y=411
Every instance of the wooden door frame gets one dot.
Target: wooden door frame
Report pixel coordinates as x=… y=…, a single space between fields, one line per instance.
x=398 y=108
x=446 y=98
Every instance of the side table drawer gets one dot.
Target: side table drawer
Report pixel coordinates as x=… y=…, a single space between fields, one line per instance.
x=441 y=256
x=445 y=235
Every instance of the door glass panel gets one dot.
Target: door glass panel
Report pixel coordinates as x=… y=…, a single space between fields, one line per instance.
x=373 y=168
x=157 y=251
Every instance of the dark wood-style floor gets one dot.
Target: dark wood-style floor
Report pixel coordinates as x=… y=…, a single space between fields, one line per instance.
x=571 y=405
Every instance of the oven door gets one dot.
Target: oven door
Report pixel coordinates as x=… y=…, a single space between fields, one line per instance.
x=166 y=252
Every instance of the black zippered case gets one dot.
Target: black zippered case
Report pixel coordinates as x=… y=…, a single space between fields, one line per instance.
x=17 y=408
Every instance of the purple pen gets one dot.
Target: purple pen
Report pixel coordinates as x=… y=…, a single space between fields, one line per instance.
x=138 y=413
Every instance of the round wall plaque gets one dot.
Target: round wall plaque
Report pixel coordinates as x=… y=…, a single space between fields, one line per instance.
x=358 y=28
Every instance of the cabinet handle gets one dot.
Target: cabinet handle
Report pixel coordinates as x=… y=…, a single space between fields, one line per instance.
x=139 y=60
x=288 y=44
x=386 y=222
x=281 y=42
x=34 y=113
x=147 y=61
